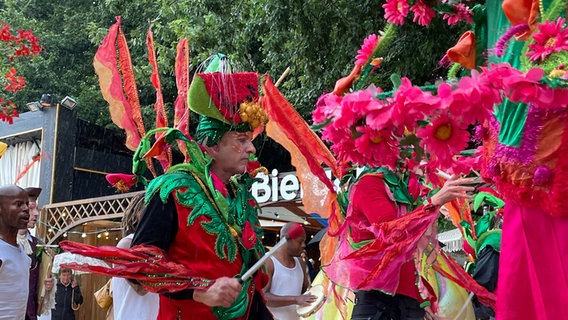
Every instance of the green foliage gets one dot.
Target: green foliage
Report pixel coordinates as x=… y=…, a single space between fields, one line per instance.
x=317 y=40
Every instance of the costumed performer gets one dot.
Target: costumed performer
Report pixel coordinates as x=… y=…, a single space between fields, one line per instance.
x=525 y=154
x=387 y=243
x=380 y=200
x=207 y=220
x=200 y=230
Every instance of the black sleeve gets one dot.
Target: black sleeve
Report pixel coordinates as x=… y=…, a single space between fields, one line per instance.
x=78 y=295
x=158 y=227
x=158 y=224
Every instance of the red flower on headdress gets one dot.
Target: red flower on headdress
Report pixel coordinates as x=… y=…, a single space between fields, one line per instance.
x=443 y=139
x=552 y=37
x=396 y=11
x=375 y=148
x=423 y=14
x=121 y=181
x=328 y=107
x=460 y=12
x=369 y=45
x=411 y=105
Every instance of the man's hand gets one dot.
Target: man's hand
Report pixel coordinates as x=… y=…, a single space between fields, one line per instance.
x=222 y=293
x=305 y=299
x=74 y=283
x=454 y=187
x=48 y=283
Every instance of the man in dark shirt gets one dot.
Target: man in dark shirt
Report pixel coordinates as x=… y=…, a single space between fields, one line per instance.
x=68 y=297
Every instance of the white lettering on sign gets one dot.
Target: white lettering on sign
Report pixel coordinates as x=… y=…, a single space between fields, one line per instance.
x=289 y=186
x=283 y=187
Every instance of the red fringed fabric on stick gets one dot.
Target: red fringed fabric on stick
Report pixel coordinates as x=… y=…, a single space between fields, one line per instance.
x=146 y=264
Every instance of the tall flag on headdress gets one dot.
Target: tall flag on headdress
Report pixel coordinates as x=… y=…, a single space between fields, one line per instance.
x=161 y=116
x=181 y=110
x=110 y=81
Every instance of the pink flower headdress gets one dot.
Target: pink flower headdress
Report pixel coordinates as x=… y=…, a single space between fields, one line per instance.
x=551 y=37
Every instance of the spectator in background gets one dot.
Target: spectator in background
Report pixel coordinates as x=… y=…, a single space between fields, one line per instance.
x=14 y=263
x=310 y=269
x=30 y=243
x=288 y=278
x=131 y=301
x=68 y=297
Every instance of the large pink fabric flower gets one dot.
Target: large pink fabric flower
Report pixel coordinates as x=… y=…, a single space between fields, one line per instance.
x=356 y=105
x=460 y=12
x=423 y=14
x=375 y=148
x=396 y=11
x=472 y=101
x=328 y=107
x=552 y=37
x=369 y=45
x=443 y=139
x=412 y=105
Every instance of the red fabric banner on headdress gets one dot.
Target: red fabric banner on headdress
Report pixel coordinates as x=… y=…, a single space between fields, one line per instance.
x=110 y=82
x=308 y=152
x=181 y=111
x=161 y=117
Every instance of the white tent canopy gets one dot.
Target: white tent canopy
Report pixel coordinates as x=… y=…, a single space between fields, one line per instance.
x=453 y=240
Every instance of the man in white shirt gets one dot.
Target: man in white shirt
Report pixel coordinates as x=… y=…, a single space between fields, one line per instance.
x=30 y=244
x=14 y=262
x=287 y=273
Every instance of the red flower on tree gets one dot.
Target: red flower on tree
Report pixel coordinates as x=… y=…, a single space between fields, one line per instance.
x=13 y=47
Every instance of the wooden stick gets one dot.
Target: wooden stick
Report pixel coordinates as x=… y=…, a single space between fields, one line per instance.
x=286 y=72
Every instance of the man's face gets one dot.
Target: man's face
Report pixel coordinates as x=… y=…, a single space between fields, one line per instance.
x=65 y=277
x=14 y=211
x=34 y=214
x=233 y=151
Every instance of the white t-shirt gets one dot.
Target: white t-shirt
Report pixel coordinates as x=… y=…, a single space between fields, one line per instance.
x=286 y=282
x=128 y=304
x=14 y=281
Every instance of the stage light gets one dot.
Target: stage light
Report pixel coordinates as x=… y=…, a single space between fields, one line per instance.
x=68 y=103
x=34 y=106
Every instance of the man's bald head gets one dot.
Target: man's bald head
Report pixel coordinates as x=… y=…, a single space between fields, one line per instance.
x=10 y=190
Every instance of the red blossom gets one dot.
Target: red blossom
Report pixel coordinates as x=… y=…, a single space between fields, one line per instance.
x=551 y=37
x=12 y=46
x=423 y=14
x=396 y=11
x=369 y=45
x=460 y=12
x=8 y=111
x=249 y=236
